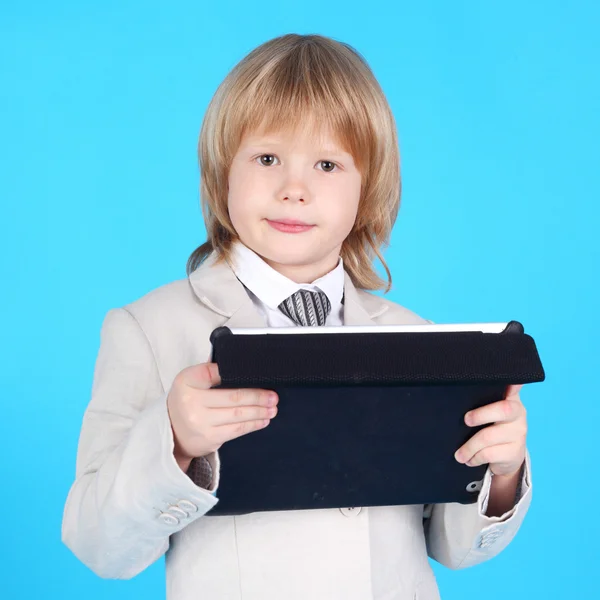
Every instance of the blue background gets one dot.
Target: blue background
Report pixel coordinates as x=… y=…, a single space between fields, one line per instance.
x=497 y=110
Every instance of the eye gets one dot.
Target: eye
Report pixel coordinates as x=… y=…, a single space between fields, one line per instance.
x=328 y=166
x=266 y=160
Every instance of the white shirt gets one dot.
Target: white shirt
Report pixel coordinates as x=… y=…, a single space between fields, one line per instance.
x=268 y=288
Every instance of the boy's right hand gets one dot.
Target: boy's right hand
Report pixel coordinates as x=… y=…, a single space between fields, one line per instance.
x=203 y=419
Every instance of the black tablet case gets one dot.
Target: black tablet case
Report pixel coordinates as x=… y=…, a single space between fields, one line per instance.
x=364 y=419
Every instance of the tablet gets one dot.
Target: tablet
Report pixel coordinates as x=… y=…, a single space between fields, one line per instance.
x=367 y=416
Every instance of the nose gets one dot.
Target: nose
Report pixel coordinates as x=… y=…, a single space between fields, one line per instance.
x=294 y=189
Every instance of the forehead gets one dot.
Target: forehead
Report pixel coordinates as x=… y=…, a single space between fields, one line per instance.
x=311 y=132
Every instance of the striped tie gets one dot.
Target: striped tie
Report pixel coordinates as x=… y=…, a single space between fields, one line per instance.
x=306 y=308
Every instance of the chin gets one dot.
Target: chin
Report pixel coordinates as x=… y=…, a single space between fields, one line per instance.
x=289 y=256
x=285 y=254
x=289 y=250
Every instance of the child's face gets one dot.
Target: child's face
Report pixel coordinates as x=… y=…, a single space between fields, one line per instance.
x=278 y=179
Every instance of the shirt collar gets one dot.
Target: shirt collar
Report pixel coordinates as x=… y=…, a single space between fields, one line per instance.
x=272 y=288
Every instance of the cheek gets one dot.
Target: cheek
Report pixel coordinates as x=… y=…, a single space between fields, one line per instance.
x=347 y=198
x=238 y=198
x=239 y=213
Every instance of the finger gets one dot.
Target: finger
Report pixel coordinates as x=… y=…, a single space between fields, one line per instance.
x=502 y=411
x=240 y=414
x=229 y=432
x=513 y=390
x=241 y=397
x=202 y=376
x=501 y=454
x=493 y=435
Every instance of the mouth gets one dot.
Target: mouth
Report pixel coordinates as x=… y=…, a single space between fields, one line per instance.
x=289 y=225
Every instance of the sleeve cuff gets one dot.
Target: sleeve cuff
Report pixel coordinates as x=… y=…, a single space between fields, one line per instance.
x=159 y=489
x=522 y=491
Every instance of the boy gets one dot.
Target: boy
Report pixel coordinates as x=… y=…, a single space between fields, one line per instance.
x=300 y=188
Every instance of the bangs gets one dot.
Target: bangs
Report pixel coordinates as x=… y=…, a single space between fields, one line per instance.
x=306 y=91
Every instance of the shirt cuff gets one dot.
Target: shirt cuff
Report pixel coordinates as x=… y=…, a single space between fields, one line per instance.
x=204 y=472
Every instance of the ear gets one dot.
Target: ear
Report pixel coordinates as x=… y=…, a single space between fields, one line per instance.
x=513 y=390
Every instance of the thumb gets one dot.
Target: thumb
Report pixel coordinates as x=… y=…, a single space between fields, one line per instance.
x=202 y=376
x=513 y=390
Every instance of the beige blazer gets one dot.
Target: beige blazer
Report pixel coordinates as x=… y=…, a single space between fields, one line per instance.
x=130 y=503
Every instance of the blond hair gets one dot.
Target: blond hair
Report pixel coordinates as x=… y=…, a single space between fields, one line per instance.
x=289 y=82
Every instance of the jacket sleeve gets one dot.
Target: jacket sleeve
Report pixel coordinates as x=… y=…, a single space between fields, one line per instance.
x=460 y=535
x=129 y=494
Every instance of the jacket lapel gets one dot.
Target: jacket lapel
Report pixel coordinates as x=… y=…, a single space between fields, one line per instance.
x=217 y=287
x=246 y=316
x=360 y=307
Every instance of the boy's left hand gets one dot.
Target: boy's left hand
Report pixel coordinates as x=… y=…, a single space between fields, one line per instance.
x=502 y=445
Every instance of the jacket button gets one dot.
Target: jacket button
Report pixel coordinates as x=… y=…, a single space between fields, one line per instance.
x=188 y=506
x=176 y=511
x=168 y=519
x=354 y=511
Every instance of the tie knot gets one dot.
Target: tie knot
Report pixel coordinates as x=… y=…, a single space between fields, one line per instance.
x=306 y=308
